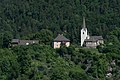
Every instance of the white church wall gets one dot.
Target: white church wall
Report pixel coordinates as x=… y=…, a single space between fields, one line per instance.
x=83 y=35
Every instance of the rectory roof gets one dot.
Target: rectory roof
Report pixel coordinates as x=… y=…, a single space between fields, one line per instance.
x=61 y=38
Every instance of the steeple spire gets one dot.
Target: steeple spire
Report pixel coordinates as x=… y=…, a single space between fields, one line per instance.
x=84 y=25
x=83 y=32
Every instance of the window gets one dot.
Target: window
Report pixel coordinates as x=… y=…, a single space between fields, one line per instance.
x=27 y=43
x=33 y=41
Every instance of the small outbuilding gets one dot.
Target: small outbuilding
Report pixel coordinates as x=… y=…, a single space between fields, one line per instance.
x=61 y=40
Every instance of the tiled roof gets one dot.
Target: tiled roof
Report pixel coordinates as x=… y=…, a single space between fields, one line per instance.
x=61 y=38
x=94 y=38
x=15 y=41
x=97 y=37
x=27 y=42
x=24 y=42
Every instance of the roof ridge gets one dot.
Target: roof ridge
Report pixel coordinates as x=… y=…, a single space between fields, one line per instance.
x=61 y=38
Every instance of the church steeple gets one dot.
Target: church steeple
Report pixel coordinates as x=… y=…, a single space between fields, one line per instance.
x=83 y=32
x=84 y=24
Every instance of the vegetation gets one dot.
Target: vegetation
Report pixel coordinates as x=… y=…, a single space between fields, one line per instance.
x=43 y=20
x=59 y=16
x=42 y=62
x=37 y=62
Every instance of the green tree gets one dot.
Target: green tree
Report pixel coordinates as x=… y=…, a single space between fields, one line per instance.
x=7 y=37
x=1 y=40
x=45 y=36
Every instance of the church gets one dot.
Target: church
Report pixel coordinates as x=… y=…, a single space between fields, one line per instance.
x=89 y=41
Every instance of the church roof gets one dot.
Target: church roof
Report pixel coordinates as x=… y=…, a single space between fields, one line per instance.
x=61 y=38
x=94 y=38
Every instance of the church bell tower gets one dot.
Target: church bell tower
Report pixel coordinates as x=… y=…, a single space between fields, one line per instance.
x=83 y=32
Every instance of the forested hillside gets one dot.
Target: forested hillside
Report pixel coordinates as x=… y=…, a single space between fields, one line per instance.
x=43 y=20
x=41 y=62
x=25 y=17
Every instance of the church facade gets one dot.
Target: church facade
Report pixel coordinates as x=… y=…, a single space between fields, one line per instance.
x=89 y=41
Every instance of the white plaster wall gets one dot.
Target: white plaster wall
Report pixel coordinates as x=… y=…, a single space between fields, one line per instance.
x=100 y=42
x=83 y=35
x=67 y=44
x=57 y=45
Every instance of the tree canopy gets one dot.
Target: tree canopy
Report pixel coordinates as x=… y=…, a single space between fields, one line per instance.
x=59 y=16
x=43 y=20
